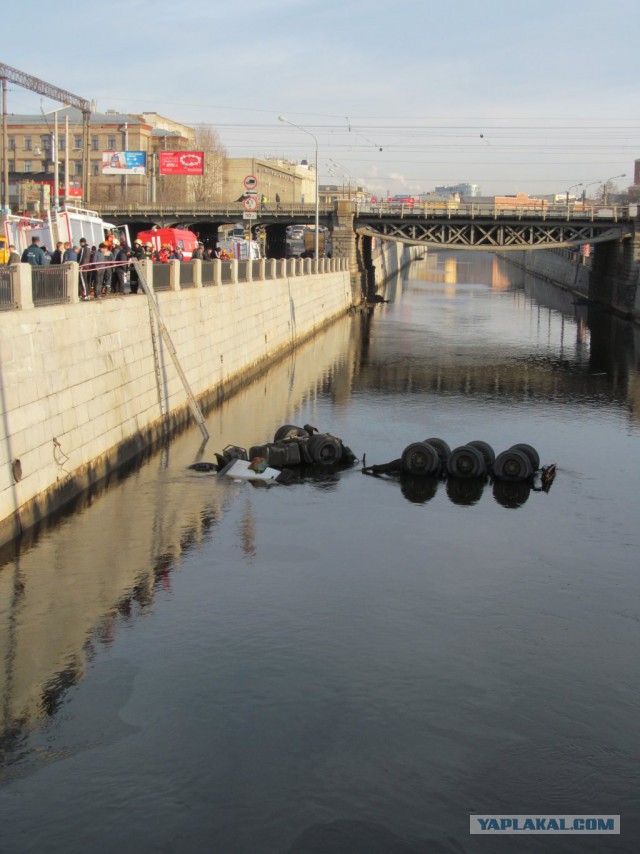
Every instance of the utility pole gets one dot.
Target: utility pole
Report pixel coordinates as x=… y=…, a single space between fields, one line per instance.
x=5 y=151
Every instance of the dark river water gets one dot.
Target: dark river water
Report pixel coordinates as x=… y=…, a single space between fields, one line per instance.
x=350 y=664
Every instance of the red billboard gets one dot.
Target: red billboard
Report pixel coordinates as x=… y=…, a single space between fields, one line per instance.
x=182 y=163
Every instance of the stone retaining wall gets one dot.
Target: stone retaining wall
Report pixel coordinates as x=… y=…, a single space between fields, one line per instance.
x=78 y=389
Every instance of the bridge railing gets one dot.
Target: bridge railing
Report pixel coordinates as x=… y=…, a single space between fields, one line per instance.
x=232 y=210
x=483 y=210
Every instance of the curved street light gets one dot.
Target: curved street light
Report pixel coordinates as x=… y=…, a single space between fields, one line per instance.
x=572 y=187
x=606 y=184
x=304 y=130
x=584 y=191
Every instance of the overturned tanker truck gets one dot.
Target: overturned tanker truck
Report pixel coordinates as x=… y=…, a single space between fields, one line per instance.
x=302 y=448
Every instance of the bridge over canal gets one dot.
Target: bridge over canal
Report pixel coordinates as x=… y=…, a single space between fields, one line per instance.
x=612 y=231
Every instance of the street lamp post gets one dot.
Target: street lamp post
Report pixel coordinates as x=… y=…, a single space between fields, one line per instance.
x=606 y=184
x=584 y=191
x=345 y=174
x=572 y=187
x=315 y=238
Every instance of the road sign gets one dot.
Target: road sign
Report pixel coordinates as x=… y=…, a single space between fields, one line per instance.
x=250 y=192
x=250 y=203
x=249 y=215
x=250 y=182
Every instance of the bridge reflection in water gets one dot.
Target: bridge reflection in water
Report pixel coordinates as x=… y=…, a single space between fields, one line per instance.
x=71 y=593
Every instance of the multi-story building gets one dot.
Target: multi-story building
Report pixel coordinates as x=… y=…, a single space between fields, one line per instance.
x=331 y=193
x=31 y=152
x=294 y=183
x=467 y=190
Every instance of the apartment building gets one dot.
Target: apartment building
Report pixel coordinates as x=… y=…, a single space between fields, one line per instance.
x=31 y=149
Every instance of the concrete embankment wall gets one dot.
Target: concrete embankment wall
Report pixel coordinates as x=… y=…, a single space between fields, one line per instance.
x=389 y=257
x=612 y=280
x=79 y=394
x=554 y=267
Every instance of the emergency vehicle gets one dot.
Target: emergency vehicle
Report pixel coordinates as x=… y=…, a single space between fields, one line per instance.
x=240 y=249
x=181 y=238
x=66 y=225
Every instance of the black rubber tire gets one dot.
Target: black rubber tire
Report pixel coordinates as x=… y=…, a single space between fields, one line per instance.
x=289 y=431
x=444 y=451
x=511 y=494
x=512 y=464
x=466 y=462
x=464 y=491
x=534 y=457
x=203 y=467
x=421 y=459
x=325 y=450
x=486 y=450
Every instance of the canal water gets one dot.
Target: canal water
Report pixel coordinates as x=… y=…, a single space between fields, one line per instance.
x=350 y=664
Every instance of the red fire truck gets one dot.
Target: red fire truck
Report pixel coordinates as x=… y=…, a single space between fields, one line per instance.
x=181 y=238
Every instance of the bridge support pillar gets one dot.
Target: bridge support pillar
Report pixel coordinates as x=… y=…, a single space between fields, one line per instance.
x=615 y=274
x=343 y=244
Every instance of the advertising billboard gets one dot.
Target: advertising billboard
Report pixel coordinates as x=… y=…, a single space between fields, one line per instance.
x=124 y=162
x=182 y=163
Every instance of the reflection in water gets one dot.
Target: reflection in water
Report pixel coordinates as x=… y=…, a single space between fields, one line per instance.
x=69 y=585
x=243 y=664
x=511 y=494
x=248 y=528
x=418 y=490
x=464 y=491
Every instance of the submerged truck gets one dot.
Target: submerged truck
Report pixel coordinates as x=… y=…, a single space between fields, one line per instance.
x=68 y=224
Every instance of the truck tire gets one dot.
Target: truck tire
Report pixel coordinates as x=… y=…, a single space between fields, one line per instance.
x=289 y=431
x=531 y=452
x=421 y=459
x=486 y=450
x=466 y=462
x=512 y=465
x=325 y=450
x=444 y=451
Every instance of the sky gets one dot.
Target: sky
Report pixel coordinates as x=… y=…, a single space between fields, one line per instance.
x=399 y=97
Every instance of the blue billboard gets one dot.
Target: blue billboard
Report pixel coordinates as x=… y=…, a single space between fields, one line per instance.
x=124 y=162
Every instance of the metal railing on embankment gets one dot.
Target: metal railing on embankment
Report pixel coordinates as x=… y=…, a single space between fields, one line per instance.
x=25 y=286
x=7 y=300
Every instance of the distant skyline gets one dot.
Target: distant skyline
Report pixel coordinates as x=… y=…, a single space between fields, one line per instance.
x=401 y=98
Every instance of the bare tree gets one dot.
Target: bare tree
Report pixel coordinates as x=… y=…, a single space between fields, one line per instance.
x=208 y=187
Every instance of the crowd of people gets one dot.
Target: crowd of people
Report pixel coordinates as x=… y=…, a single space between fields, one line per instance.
x=106 y=268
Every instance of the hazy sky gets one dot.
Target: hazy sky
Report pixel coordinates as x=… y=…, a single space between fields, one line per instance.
x=512 y=96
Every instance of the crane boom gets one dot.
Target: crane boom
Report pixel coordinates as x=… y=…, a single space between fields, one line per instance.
x=27 y=81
